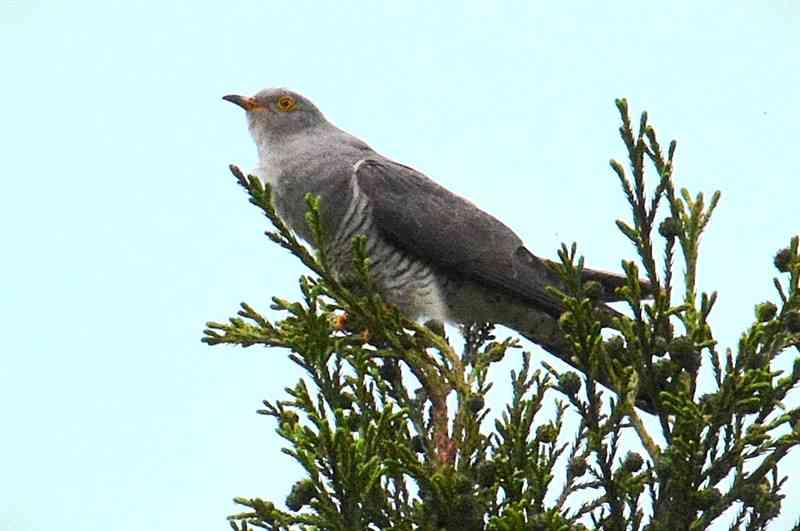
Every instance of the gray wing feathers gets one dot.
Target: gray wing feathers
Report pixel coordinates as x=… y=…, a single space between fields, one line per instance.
x=451 y=233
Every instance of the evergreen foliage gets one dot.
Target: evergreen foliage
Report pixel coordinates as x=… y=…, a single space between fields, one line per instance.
x=390 y=422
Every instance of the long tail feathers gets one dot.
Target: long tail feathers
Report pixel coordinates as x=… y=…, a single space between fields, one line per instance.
x=546 y=334
x=610 y=283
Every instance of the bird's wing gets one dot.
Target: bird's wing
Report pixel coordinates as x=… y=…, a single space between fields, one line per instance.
x=451 y=233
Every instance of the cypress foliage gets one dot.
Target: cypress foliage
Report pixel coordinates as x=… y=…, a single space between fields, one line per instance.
x=389 y=423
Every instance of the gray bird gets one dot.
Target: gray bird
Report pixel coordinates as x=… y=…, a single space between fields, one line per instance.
x=434 y=254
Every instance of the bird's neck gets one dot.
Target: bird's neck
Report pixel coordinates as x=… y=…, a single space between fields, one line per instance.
x=273 y=146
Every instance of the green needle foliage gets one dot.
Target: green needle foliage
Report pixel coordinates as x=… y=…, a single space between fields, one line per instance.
x=390 y=422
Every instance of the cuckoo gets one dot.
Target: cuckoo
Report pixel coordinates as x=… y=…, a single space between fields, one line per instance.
x=433 y=253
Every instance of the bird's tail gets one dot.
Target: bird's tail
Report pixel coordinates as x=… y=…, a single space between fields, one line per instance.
x=545 y=331
x=610 y=283
x=556 y=345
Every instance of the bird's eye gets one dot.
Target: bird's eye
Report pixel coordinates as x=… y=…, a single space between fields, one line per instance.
x=286 y=103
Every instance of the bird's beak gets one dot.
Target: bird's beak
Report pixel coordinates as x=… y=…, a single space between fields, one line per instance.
x=244 y=102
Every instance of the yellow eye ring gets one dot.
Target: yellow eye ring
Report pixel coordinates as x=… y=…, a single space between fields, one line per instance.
x=286 y=103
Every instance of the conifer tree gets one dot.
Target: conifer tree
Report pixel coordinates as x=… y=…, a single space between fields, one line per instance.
x=390 y=423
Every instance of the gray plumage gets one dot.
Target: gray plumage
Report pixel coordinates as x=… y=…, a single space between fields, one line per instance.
x=434 y=254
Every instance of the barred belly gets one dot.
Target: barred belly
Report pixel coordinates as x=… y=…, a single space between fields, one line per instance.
x=403 y=280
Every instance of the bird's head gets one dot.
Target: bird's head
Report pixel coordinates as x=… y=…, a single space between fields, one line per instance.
x=275 y=113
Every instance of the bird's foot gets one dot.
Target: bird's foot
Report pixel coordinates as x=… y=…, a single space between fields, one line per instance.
x=340 y=323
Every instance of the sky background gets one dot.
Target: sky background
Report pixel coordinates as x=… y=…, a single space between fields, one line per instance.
x=123 y=232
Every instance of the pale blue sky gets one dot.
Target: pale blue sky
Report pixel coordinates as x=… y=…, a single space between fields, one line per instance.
x=123 y=232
